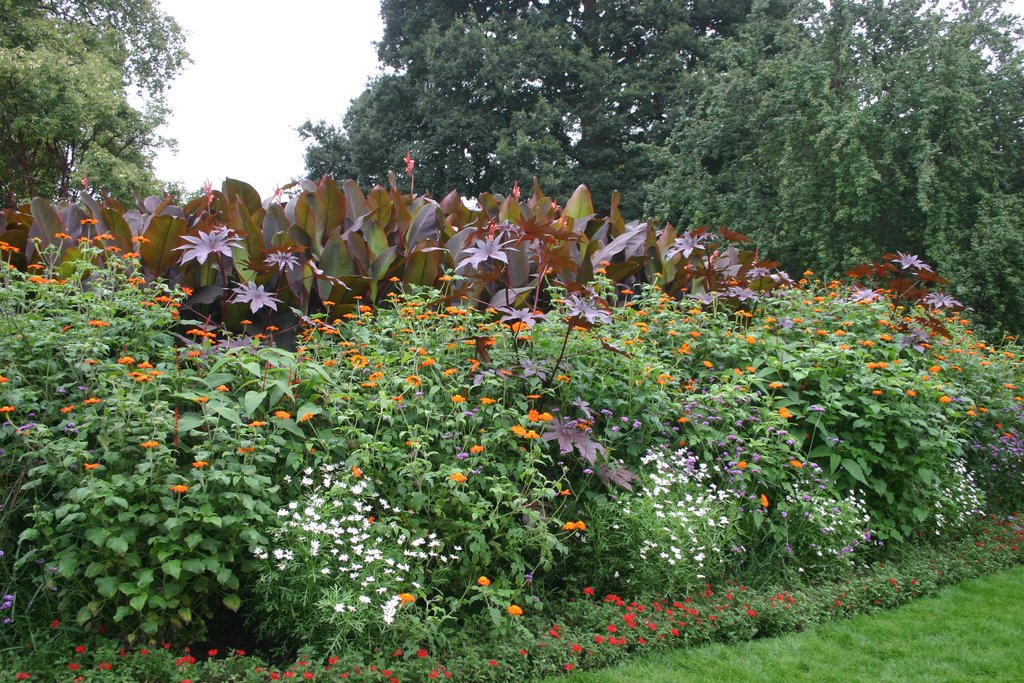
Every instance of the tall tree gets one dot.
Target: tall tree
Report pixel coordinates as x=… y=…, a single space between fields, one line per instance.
x=864 y=126
x=487 y=93
x=70 y=71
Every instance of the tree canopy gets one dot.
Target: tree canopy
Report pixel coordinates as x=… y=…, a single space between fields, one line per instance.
x=488 y=93
x=71 y=73
x=844 y=131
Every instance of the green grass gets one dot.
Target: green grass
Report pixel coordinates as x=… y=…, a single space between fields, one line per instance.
x=970 y=632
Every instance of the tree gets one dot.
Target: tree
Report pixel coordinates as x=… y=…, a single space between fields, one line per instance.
x=69 y=72
x=844 y=131
x=488 y=93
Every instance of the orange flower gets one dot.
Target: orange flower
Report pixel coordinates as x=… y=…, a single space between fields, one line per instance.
x=306 y=417
x=458 y=477
x=179 y=488
x=487 y=401
x=458 y=398
x=796 y=463
x=282 y=415
x=92 y=401
x=200 y=464
x=877 y=392
x=483 y=581
x=764 y=501
x=99 y=323
x=256 y=423
x=518 y=430
x=406 y=598
x=945 y=399
x=222 y=388
x=515 y=610
x=7 y=409
x=356 y=472
x=427 y=363
x=776 y=385
x=149 y=444
x=3 y=379
x=414 y=381
x=67 y=409
x=201 y=399
x=125 y=360
x=477 y=448
x=569 y=526
x=741 y=465
x=785 y=414
x=911 y=393
x=92 y=465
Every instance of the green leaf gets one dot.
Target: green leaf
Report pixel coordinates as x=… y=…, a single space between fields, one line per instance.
x=232 y=602
x=926 y=475
x=854 y=468
x=172 y=568
x=117 y=544
x=107 y=586
x=580 y=204
x=138 y=602
x=253 y=400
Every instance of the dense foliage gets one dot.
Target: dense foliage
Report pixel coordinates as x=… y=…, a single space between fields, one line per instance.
x=454 y=454
x=68 y=69
x=486 y=94
x=830 y=132
x=855 y=128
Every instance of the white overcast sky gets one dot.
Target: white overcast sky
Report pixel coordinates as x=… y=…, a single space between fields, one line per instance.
x=260 y=68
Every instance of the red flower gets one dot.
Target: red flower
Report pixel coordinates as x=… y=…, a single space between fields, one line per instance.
x=492 y=662
x=212 y=653
x=569 y=667
x=80 y=649
x=577 y=648
x=598 y=640
x=21 y=676
x=588 y=591
x=421 y=653
x=611 y=628
x=751 y=613
x=74 y=666
x=55 y=623
x=308 y=675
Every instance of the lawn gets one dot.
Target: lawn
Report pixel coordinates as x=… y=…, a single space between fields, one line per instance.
x=972 y=631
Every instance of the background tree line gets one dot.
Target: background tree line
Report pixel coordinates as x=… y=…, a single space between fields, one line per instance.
x=828 y=133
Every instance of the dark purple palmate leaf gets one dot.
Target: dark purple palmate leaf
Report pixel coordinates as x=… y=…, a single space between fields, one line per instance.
x=484 y=251
x=256 y=296
x=570 y=436
x=619 y=476
x=523 y=315
x=587 y=309
x=206 y=244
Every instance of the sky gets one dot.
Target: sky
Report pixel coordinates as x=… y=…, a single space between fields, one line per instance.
x=260 y=69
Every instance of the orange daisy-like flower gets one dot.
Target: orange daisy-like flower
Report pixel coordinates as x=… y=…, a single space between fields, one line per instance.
x=92 y=465
x=282 y=414
x=406 y=598
x=414 y=381
x=222 y=388
x=458 y=477
x=458 y=398
x=356 y=472
x=515 y=610
x=67 y=409
x=306 y=417
x=785 y=414
x=483 y=581
x=3 y=379
x=427 y=363
x=98 y=323
x=92 y=401
x=149 y=444
x=125 y=360
x=179 y=488
x=764 y=501
x=796 y=463
x=201 y=399
x=741 y=465
x=257 y=423
x=776 y=385
x=6 y=409
x=477 y=448
x=945 y=399
x=200 y=464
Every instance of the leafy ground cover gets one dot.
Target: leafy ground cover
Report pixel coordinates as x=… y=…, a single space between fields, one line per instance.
x=966 y=632
x=554 y=480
